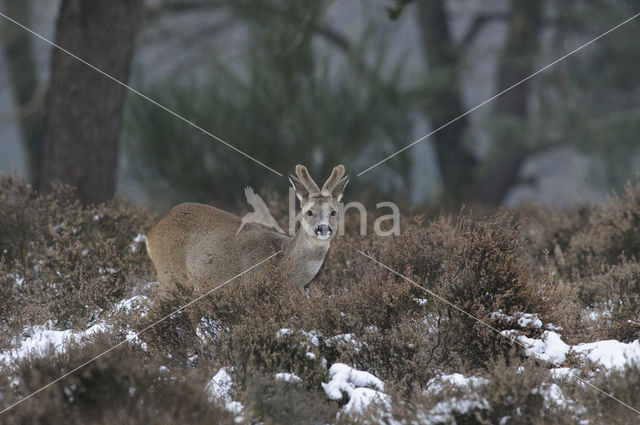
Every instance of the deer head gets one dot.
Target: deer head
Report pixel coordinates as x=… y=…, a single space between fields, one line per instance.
x=319 y=206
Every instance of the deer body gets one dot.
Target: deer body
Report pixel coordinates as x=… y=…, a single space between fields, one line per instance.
x=200 y=246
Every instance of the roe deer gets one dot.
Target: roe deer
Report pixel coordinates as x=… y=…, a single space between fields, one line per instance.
x=199 y=246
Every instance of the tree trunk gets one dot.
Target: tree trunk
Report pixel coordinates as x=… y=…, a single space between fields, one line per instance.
x=516 y=63
x=84 y=110
x=457 y=164
x=27 y=92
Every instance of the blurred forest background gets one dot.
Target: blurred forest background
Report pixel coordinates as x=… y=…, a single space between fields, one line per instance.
x=322 y=83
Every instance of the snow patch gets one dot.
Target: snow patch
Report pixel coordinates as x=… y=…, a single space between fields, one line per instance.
x=550 y=348
x=446 y=411
x=219 y=389
x=563 y=373
x=362 y=398
x=283 y=333
x=288 y=377
x=361 y=387
x=458 y=380
x=344 y=340
x=137 y=303
x=140 y=238
x=40 y=339
x=610 y=354
x=522 y=319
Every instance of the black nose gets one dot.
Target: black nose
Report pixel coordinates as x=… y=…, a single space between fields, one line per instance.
x=322 y=229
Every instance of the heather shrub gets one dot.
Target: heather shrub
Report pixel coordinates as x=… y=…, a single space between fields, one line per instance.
x=125 y=386
x=276 y=402
x=510 y=395
x=258 y=347
x=70 y=264
x=614 y=299
x=585 y=241
x=488 y=272
x=612 y=236
x=406 y=355
x=549 y=231
x=621 y=384
x=64 y=262
x=479 y=265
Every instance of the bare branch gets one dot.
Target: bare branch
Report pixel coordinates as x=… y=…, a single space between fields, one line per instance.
x=333 y=36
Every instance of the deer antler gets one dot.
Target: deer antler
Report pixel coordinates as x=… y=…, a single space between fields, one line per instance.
x=305 y=179
x=334 y=178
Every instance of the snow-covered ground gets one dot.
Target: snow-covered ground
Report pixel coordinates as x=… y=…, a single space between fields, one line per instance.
x=43 y=340
x=360 y=390
x=608 y=354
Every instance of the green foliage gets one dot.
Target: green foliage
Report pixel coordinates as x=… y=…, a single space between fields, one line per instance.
x=287 y=103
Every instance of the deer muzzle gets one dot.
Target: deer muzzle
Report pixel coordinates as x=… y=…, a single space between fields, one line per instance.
x=323 y=231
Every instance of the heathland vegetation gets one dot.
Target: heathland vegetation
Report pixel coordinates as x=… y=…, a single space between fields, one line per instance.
x=75 y=280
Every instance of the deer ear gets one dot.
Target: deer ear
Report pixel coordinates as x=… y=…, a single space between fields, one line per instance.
x=338 y=189
x=301 y=190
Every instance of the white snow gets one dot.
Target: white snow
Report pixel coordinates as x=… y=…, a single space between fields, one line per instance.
x=39 y=340
x=312 y=336
x=135 y=303
x=563 y=372
x=522 y=319
x=610 y=354
x=443 y=412
x=283 y=333
x=219 y=388
x=288 y=377
x=140 y=238
x=344 y=340
x=527 y=319
x=456 y=380
x=18 y=280
x=553 y=327
x=208 y=329
x=132 y=338
x=361 y=387
x=550 y=348
x=362 y=398
x=552 y=394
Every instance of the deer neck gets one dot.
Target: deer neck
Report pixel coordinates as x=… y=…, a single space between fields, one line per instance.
x=304 y=256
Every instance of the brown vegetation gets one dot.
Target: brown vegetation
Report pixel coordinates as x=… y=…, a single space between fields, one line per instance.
x=74 y=263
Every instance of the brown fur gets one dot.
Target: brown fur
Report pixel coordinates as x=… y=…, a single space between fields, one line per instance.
x=196 y=245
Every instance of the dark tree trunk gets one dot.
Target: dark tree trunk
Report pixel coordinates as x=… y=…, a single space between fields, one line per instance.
x=516 y=63
x=459 y=169
x=27 y=92
x=84 y=110
x=457 y=163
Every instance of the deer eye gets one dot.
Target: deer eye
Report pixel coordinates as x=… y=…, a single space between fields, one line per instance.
x=309 y=213
x=333 y=213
